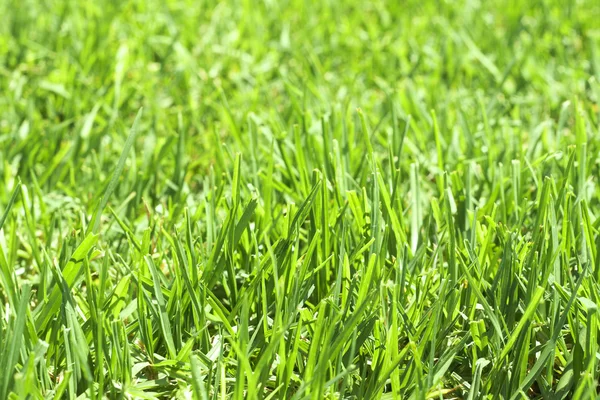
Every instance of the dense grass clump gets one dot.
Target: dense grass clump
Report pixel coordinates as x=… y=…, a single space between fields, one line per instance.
x=299 y=200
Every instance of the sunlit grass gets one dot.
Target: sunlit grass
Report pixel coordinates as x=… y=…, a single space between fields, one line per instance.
x=299 y=200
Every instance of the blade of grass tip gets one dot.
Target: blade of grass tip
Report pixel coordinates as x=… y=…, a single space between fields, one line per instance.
x=11 y=202
x=162 y=315
x=246 y=368
x=244 y=221
x=30 y=223
x=581 y=139
x=516 y=187
x=95 y=222
x=10 y=354
x=415 y=220
x=450 y=208
x=303 y=167
x=303 y=211
x=325 y=131
x=236 y=184
x=480 y=364
x=445 y=361
x=183 y=265
x=5 y=270
x=47 y=310
x=473 y=284
x=398 y=163
x=527 y=315
x=197 y=381
x=391 y=214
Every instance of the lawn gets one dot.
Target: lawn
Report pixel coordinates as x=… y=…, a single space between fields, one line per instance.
x=299 y=200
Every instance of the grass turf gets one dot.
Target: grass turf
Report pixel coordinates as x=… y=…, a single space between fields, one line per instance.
x=335 y=199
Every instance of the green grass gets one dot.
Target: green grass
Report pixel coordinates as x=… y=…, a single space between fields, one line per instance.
x=299 y=200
